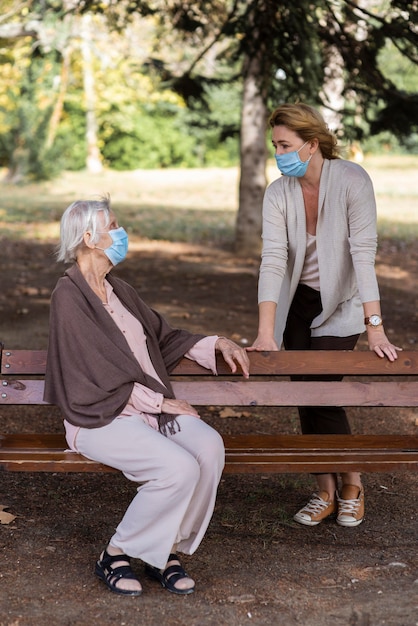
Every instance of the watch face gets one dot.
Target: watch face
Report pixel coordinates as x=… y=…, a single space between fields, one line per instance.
x=375 y=320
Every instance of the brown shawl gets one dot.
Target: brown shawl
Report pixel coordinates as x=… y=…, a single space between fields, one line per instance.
x=90 y=369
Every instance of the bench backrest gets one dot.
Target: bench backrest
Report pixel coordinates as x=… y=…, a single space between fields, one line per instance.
x=22 y=380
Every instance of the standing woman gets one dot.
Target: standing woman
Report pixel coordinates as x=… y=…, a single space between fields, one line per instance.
x=109 y=359
x=317 y=285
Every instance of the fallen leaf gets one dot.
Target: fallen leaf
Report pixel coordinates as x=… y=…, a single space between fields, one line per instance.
x=246 y=597
x=228 y=412
x=6 y=518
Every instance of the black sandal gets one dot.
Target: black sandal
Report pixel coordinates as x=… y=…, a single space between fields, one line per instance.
x=110 y=575
x=169 y=576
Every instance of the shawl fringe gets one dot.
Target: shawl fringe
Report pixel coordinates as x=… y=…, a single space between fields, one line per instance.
x=168 y=424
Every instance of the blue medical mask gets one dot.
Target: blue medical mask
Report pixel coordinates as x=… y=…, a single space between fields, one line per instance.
x=290 y=164
x=117 y=251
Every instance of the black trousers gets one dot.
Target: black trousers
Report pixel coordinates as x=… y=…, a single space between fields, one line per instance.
x=306 y=305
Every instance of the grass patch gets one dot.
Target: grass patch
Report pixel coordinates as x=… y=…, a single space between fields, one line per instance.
x=183 y=225
x=189 y=206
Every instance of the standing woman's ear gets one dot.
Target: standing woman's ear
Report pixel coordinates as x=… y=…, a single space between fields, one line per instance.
x=313 y=145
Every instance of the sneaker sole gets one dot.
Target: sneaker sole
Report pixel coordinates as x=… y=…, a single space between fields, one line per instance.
x=350 y=524
x=306 y=522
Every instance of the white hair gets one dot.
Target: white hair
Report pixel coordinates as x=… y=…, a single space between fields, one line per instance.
x=79 y=217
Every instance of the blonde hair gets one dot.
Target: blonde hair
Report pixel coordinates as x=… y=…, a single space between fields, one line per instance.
x=309 y=124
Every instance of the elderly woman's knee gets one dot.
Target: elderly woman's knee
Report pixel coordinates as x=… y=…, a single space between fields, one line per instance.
x=182 y=471
x=212 y=449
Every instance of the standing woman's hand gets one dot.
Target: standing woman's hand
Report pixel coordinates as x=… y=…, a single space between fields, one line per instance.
x=380 y=344
x=265 y=341
x=263 y=344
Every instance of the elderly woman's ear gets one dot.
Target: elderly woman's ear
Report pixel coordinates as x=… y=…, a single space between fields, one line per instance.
x=88 y=239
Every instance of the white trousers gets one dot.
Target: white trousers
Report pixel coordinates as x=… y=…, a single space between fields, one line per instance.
x=179 y=476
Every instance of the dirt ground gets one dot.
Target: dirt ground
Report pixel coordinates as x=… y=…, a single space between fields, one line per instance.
x=255 y=566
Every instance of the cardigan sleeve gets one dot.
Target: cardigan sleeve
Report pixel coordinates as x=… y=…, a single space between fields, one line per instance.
x=362 y=223
x=274 y=256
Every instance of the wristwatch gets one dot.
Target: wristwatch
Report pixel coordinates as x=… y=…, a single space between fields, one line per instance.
x=373 y=320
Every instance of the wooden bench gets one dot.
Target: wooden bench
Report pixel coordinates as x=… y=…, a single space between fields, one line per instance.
x=376 y=383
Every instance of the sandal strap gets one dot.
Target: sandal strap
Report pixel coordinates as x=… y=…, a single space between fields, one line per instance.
x=116 y=573
x=108 y=559
x=113 y=574
x=173 y=574
x=170 y=576
x=173 y=570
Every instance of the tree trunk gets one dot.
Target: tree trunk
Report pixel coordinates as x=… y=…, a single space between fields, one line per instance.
x=59 y=103
x=253 y=156
x=93 y=162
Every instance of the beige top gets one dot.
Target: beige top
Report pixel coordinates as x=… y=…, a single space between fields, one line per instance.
x=346 y=242
x=310 y=271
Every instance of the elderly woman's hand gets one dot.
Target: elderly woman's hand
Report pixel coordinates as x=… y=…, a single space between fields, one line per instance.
x=173 y=406
x=233 y=354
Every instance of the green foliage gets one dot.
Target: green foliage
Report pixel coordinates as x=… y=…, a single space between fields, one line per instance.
x=198 y=49
x=401 y=70
x=387 y=143
x=165 y=134
x=146 y=140
x=303 y=46
x=287 y=34
x=364 y=34
x=214 y=125
x=25 y=123
x=71 y=136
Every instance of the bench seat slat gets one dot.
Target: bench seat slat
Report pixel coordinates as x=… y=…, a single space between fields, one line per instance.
x=56 y=442
x=235 y=463
x=244 y=453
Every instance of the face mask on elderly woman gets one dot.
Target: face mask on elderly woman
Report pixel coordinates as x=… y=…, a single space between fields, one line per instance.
x=118 y=249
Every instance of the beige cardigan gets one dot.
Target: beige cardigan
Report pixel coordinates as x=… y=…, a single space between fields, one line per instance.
x=346 y=246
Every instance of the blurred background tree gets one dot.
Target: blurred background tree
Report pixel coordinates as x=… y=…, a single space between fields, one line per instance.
x=190 y=83
x=330 y=53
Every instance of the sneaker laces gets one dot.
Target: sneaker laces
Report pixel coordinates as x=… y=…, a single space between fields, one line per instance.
x=348 y=507
x=316 y=505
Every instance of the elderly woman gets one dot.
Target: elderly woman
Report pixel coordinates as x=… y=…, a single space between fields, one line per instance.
x=109 y=360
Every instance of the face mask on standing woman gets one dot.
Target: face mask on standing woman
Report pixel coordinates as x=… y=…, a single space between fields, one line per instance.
x=290 y=164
